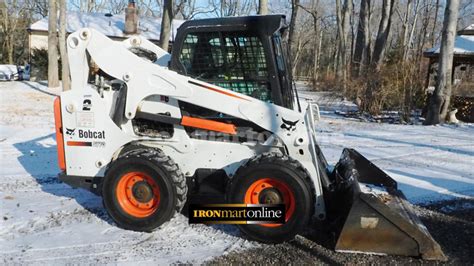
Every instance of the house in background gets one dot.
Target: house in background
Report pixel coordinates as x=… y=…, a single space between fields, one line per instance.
x=114 y=26
x=463 y=73
x=117 y=27
x=463 y=58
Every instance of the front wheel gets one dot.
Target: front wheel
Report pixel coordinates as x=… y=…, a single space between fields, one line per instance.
x=143 y=189
x=274 y=179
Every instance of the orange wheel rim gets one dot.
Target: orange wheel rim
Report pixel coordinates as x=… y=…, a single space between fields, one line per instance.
x=138 y=194
x=253 y=193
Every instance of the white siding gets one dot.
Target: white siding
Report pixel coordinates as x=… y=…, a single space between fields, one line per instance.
x=39 y=40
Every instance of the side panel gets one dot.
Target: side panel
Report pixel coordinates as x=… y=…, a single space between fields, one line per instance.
x=92 y=139
x=90 y=136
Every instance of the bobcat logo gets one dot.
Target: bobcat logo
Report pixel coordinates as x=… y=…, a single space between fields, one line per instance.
x=289 y=125
x=70 y=132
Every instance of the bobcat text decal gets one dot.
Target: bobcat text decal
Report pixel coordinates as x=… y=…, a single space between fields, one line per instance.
x=86 y=134
x=91 y=134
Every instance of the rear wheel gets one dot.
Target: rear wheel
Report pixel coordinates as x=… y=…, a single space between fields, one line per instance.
x=274 y=179
x=143 y=189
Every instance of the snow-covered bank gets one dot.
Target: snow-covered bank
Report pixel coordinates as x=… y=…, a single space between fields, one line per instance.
x=46 y=222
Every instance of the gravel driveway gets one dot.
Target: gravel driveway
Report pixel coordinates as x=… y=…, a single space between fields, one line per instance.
x=451 y=223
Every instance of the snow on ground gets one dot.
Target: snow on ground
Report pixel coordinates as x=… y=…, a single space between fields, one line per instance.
x=43 y=221
x=430 y=163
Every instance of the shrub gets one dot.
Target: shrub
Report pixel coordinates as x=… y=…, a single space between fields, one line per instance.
x=39 y=64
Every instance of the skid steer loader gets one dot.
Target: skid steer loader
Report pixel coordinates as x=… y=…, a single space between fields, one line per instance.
x=147 y=130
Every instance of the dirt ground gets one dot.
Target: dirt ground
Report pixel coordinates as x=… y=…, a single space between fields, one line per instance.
x=451 y=223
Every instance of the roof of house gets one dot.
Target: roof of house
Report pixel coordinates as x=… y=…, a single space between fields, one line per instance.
x=111 y=26
x=463 y=44
x=469 y=30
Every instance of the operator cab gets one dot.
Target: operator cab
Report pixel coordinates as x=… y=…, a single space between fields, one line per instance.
x=243 y=54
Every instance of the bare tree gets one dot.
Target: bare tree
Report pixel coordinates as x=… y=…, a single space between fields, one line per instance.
x=371 y=101
x=420 y=33
x=8 y=26
x=439 y=101
x=13 y=20
x=118 y=6
x=228 y=8
x=361 y=50
x=53 y=78
x=407 y=37
x=292 y=28
x=65 y=77
x=314 y=12
x=262 y=7
x=383 y=33
x=405 y=23
x=166 y=21
x=433 y=35
x=39 y=7
x=89 y=5
x=188 y=9
x=343 y=14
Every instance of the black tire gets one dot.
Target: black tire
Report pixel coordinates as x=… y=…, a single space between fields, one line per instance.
x=163 y=171
x=286 y=170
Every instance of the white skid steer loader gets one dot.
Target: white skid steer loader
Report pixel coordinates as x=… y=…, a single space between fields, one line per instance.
x=218 y=120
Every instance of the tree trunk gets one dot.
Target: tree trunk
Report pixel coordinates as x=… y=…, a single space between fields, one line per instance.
x=318 y=56
x=422 y=40
x=53 y=79
x=405 y=31
x=383 y=33
x=291 y=32
x=439 y=101
x=317 y=41
x=7 y=32
x=262 y=7
x=362 y=39
x=433 y=38
x=371 y=99
x=166 y=21
x=90 y=5
x=412 y=31
x=11 y=14
x=10 y=48
x=65 y=75
x=343 y=23
x=296 y=56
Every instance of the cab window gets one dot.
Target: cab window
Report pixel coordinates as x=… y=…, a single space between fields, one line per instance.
x=230 y=60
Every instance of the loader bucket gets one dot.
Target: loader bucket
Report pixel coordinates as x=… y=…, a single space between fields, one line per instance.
x=375 y=216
